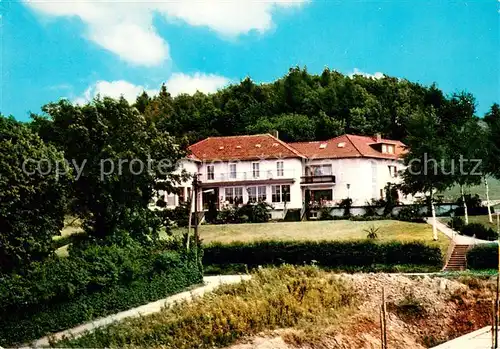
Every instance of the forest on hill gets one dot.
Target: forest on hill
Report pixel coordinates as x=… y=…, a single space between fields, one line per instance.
x=304 y=106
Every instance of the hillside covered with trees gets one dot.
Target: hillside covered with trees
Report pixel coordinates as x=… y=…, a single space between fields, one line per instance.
x=304 y=106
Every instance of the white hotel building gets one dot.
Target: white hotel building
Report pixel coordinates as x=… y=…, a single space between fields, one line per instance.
x=239 y=169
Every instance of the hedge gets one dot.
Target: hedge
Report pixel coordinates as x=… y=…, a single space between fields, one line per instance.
x=484 y=256
x=324 y=253
x=63 y=293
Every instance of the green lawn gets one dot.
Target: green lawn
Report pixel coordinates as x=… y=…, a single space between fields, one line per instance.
x=320 y=230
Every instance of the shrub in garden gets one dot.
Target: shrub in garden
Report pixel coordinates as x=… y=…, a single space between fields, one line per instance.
x=325 y=214
x=325 y=253
x=479 y=231
x=256 y=212
x=346 y=204
x=410 y=213
x=484 y=256
x=456 y=223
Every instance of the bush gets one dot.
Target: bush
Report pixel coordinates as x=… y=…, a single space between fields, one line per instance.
x=484 y=256
x=479 y=231
x=325 y=253
x=325 y=214
x=256 y=213
x=179 y=214
x=456 y=223
x=346 y=204
x=411 y=213
x=251 y=212
x=90 y=283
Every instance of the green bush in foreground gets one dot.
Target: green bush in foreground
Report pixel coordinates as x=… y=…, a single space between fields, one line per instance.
x=336 y=254
x=99 y=281
x=484 y=256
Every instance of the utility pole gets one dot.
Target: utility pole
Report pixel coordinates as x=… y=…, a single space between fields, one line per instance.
x=195 y=189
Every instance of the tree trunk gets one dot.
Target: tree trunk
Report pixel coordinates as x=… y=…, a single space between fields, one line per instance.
x=433 y=209
x=490 y=217
x=466 y=216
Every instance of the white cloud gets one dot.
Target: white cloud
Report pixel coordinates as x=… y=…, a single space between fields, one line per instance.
x=114 y=89
x=176 y=84
x=126 y=28
x=376 y=75
x=183 y=83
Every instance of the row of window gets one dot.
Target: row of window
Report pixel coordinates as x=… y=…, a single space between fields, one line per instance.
x=316 y=170
x=279 y=193
x=255 y=170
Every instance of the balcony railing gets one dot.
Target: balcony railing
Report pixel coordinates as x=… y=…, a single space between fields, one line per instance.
x=318 y=179
x=248 y=175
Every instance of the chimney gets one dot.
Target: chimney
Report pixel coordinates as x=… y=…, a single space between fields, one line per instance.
x=275 y=133
x=378 y=138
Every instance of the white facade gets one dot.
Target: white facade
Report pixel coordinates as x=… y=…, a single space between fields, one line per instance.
x=361 y=179
x=173 y=200
x=275 y=181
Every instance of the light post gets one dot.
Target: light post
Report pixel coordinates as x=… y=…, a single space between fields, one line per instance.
x=348 y=191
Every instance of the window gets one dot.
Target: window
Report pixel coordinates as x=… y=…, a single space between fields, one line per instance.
x=280 y=193
x=252 y=194
x=255 y=170
x=189 y=193
x=181 y=195
x=276 y=193
x=234 y=195
x=393 y=171
x=232 y=171
x=388 y=148
x=210 y=172
x=261 y=193
x=321 y=170
x=322 y=195
x=279 y=169
x=285 y=193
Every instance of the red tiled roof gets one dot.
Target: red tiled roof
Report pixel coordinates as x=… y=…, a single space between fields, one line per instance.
x=348 y=146
x=243 y=148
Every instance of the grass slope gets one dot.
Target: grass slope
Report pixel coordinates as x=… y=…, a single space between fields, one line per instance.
x=320 y=230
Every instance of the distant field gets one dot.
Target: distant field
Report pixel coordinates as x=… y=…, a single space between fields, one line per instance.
x=320 y=230
x=494 y=186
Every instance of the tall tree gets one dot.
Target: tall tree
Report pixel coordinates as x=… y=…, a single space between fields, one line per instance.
x=464 y=147
x=426 y=159
x=115 y=153
x=33 y=182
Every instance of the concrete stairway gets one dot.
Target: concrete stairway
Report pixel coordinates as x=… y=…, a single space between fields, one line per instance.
x=457 y=260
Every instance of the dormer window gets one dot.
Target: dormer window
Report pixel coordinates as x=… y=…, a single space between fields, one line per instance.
x=388 y=148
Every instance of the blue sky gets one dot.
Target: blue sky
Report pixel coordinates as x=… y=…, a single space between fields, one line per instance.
x=55 y=49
